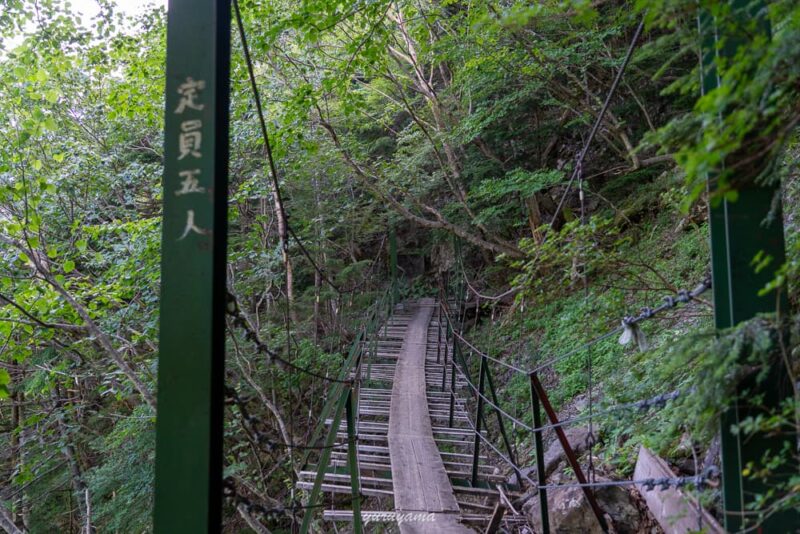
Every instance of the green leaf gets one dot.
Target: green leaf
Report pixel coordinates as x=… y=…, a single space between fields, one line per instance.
x=51 y=96
x=518 y=181
x=81 y=245
x=5 y=380
x=69 y=266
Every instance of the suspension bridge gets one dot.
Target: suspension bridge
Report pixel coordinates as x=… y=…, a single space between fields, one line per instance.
x=411 y=433
x=412 y=427
x=405 y=447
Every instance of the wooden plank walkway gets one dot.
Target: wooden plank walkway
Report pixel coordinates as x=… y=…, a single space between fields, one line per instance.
x=412 y=463
x=421 y=484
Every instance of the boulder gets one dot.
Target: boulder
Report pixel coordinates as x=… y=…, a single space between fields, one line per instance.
x=529 y=472
x=620 y=503
x=570 y=513
x=554 y=454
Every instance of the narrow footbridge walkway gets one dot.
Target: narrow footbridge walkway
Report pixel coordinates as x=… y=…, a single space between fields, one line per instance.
x=420 y=480
x=418 y=466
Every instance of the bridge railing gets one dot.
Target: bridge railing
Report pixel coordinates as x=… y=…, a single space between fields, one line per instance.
x=342 y=403
x=450 y=315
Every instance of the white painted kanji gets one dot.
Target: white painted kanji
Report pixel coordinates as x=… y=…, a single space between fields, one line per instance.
x=190 y=139
x=191 y=226
x=189 y=91
x=190 y=184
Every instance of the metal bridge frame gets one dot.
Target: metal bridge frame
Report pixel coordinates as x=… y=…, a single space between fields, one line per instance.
x=740 y=231
x=189 y=428
x=345 y=396
x=539 y=399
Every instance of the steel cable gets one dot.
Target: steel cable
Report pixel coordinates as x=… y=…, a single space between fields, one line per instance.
x=646 y=313
x=581 y=155
x=648 y=484
x=642 y=405
x=268 y=146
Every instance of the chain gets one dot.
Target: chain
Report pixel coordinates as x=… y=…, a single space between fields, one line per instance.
x=252 y=424
x=628 y=321
x=239 y=320
x=683 y=297
x=230 y=493
x=700 y=481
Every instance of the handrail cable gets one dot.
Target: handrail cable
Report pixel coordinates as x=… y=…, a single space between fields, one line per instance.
x=250 y=421
x=263 y=348
x=582 y=154
x=241 y=321
x=644 y=404
x=627 y=321
x=229 y=490
x=268 y=147
x=647 y=484
x=599 y=120
x=497 y=451
x=261 y=437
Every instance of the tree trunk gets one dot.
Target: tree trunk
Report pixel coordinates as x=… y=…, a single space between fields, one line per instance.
x=16 y=417
x=317 y=274
x=317 y=287
x=368 y=181
x=283 y=239
x=79 y=488
x=534 y=218
x=251 y=521
x=102 y=339
x=7 y=523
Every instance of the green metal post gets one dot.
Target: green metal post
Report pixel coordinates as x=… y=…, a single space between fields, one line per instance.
x=393 y=266
x=439 y=333
x=478 y=419
x=189 y=428
x=456 y=349
x=539 y=445
x=739 y=231
x=325 y=457
x=444 y=370
x=352 y=462
x=335 y=392
x=452 y=391
x=502 y=426
x=448 y=335
x=373 y=341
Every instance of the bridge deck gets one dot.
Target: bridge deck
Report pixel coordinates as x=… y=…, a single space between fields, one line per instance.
x=412 y=461
x=421 y=483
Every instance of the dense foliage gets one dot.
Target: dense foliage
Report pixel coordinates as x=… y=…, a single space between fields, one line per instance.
x=443 y=119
